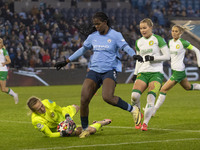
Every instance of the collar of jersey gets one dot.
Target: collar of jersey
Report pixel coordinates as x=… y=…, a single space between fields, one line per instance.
x=149 y=37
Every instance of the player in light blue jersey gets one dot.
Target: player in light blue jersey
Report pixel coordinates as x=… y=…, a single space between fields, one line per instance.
x=105 y=44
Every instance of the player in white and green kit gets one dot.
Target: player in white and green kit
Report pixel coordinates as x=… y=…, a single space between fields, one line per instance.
x=4 y=60
x=154 y=51
x=178 y=48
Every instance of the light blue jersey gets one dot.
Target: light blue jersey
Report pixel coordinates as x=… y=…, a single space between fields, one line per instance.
x=106 y=51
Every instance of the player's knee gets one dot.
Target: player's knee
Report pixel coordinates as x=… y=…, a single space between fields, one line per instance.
x=76 y=107
x=107 y=98
x=92 y=130
x=78 y=131
x=84 y=100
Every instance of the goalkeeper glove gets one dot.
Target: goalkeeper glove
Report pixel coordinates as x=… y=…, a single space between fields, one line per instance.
x=69 y=129
x=63 y=133
x=149 y=58
x=72 y=124
x=138 y=57
x=60 y=64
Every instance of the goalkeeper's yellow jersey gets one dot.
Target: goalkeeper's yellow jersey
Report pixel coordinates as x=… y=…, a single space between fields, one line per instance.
x=47 y=122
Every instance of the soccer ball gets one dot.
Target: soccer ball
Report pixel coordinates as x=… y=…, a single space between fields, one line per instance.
x=63 y=126
x=66 y=128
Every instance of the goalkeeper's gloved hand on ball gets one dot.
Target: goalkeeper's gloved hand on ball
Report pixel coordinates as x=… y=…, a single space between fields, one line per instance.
x=68 y=129
x=60 y=64
x=64 y=133
x=72 y=124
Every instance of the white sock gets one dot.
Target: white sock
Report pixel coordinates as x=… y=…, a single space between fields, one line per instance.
x=135 y=99
x=159 y=102
x=11 y=92
x=196 y=86
x=149 y=108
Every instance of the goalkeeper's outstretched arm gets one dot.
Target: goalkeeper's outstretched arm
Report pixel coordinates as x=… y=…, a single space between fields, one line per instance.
x=49 y=133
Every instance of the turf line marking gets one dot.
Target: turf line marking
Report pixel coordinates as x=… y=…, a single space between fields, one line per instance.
x=116 y=144
x=115 y=127
x=120 y=127
x=15 y=121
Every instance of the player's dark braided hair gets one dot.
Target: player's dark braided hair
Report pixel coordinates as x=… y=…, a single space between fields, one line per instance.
x=102 y=17
x=87 y=29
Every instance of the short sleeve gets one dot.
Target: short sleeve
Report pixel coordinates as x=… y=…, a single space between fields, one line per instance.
x=185 y=43
x=161 y=41
x=5 y=52
x=120 y=41
x=136 y=47
x=88 y=42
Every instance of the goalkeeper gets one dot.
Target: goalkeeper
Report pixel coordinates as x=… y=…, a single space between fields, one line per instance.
x=46 y=116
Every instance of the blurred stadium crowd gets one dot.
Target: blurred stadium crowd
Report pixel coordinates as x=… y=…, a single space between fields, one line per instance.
x=44 y=35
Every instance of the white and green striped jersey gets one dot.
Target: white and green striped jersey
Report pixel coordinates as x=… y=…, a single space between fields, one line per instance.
x=177 y=52
x=152 y=46
x=3 y=53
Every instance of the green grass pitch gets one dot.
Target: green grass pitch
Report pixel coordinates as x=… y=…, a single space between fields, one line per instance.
x=175 y=126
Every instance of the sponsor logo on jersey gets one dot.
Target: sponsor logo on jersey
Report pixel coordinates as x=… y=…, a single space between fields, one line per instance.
x=151 y=43
x=174 y=52
x=146 y=51
x=101 y=47
x=122 y=40
x=109 y=40
x=177 y=46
